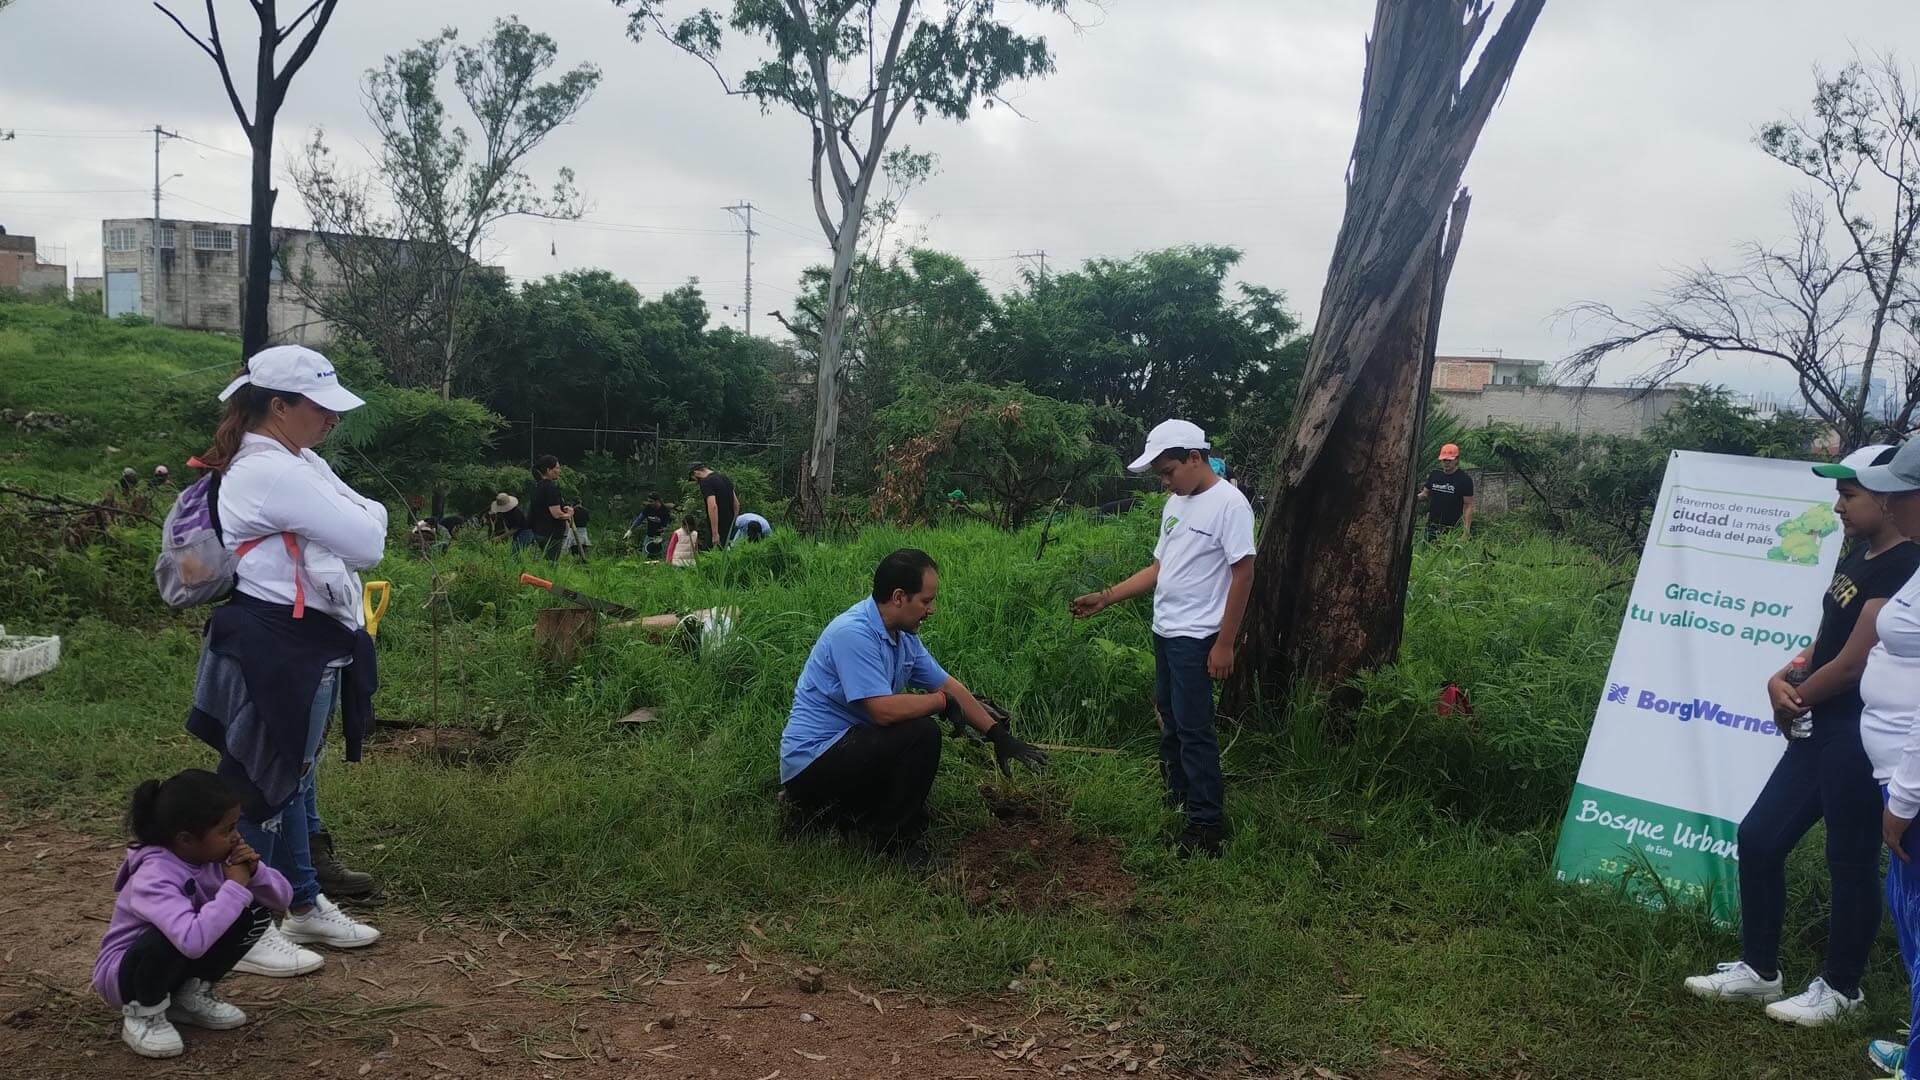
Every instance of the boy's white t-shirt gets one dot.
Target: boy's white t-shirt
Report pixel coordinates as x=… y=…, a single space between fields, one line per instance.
x=1201 y=537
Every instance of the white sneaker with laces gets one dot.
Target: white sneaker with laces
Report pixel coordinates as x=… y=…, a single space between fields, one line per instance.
x=1817 y=1004
x=326 y=924
x=147 y=1032
x=1735 y=982
x=195 y=1004
x=277 y=958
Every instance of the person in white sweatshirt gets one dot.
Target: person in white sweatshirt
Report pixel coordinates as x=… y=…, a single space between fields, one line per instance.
x=301 y=535
x=1890 y=732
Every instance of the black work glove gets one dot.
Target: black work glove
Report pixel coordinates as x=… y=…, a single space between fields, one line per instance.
x=1007 y=750
x=963 y=730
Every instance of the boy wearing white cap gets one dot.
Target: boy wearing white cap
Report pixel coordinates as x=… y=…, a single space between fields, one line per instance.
x=1201 y=573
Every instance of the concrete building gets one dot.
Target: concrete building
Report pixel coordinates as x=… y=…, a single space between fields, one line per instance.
x=198 y=281
x=23 y=270
x=1480 y=372
x=95 y=287
x=1593 y=410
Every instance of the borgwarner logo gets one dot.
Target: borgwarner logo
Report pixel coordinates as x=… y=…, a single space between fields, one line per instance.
x=1688 y=709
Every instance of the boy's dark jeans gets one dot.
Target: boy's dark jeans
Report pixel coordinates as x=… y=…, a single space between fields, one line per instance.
x=1189 y=748
x=153 y=969
x=873 y=782
x=1824 y=776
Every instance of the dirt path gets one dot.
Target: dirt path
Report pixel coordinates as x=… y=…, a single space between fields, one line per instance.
x=450 y=999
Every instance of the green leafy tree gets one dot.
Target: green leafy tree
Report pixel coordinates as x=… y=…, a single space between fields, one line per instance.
x=853 y=69
x=451 y=188
x=413 y=439
x=1014 y=450
x=1152 y=336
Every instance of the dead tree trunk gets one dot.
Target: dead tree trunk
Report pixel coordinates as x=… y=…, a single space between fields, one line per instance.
x=1330 y=576
x=270 y=92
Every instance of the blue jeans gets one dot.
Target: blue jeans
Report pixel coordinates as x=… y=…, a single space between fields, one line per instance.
x=1825 y=776
x=1903 y=903
x=1189 y=748
x=284 y=841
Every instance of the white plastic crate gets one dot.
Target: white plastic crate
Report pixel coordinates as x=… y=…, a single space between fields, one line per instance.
x=25 y=657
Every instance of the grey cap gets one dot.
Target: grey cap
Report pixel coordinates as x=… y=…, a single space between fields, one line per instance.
x=1900 y=474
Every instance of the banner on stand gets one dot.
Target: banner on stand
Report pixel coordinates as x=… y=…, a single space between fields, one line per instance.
x=1737 y=560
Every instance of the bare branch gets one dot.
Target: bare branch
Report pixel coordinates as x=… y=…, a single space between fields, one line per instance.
x=305 y=49
x=219 y=56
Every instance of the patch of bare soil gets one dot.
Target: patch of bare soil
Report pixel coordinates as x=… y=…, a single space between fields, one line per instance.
x=1031 y=859
x=447 y=745
x=444 y=998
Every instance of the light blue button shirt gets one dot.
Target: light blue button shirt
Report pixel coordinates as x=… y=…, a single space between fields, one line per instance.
x=856 y=658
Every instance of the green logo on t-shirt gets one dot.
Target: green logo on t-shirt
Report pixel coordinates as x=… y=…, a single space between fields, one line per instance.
x=1167 y=525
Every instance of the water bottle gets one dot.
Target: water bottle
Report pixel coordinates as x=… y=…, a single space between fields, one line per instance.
x=1797 y=673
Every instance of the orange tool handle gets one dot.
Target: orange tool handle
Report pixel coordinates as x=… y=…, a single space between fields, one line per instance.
x=538 y=583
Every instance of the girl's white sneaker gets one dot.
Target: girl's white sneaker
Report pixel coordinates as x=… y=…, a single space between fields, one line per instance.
x=195 y=1004
x=147 y=1031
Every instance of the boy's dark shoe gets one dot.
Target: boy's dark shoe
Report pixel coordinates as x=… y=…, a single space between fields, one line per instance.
x=336 y=880
x=1197 y=839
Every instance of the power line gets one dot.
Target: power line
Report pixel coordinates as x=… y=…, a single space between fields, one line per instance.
x=210 y=146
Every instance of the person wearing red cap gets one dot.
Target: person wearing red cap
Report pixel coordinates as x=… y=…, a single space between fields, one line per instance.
x=1449 y=495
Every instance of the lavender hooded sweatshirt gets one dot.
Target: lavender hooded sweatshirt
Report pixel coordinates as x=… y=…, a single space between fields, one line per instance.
x=192 y=905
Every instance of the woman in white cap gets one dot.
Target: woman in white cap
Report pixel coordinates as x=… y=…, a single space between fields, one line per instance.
x=1890 y=730
x=1823 y=776
x=288 y=646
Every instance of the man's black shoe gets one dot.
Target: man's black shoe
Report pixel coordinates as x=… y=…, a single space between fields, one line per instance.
x=1198 y=839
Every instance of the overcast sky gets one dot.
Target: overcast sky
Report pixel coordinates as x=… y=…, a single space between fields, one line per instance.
x=1623 y=147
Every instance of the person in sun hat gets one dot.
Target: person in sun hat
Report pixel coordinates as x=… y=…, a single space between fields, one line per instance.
x=1201 y=573
x=288 y=647
x=1449 y=495
x=506 y=521
x=1825 y=775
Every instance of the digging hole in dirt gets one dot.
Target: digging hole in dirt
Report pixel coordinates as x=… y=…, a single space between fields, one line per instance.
x=1031 y=859
x=447 y=746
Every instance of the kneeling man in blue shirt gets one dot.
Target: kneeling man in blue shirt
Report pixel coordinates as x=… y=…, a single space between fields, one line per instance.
x=859 y=752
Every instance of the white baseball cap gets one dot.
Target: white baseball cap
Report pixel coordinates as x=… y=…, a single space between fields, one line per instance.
x=1900 y=474
x=1848 y=468
x=296 y=369
x=1169 y=435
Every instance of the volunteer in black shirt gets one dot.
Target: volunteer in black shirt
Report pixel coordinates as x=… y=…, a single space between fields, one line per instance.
x=1824 y=774
x=653 y=520
x=547 y=512
x=723 y=503
x=1449 y=495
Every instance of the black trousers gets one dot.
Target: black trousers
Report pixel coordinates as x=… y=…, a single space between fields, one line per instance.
x=873 y=782
x=153 y=969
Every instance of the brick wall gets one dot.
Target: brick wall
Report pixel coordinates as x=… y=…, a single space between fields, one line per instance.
x=1461 y=374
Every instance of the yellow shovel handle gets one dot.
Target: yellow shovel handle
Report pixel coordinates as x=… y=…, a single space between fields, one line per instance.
x=371 y=611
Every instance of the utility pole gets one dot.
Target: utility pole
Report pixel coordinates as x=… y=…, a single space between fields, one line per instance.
x=744 y=211
x=1040 y=255
x=158 y=134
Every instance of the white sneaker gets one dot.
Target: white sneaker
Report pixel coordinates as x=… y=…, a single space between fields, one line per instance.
x=147 y=1032
x=1817 y=1004
x=325 y=924
x=277 y=958
x=195 y=1004
x=1735 y=982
